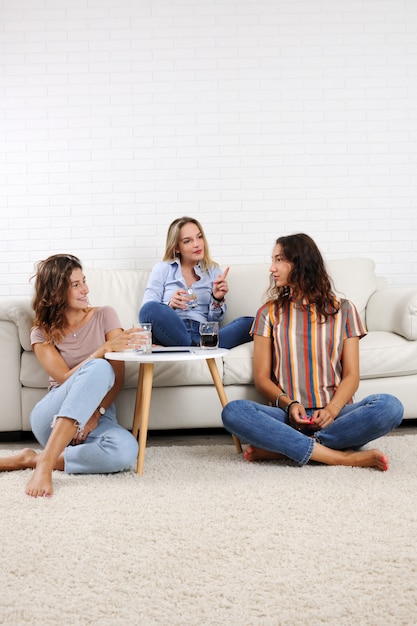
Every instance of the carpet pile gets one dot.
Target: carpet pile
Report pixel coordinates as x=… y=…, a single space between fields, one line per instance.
x=204 y=537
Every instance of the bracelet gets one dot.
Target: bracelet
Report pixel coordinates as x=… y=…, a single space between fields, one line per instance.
x=277 y=399
x=217 y=299
x=287 y=408
x=337 y=407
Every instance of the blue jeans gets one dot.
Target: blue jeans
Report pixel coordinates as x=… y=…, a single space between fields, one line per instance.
x=110 y=447
x=168 y=329
x=268 y=428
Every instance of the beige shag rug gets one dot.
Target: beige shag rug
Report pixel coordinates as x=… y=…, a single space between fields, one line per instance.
x=204 y=537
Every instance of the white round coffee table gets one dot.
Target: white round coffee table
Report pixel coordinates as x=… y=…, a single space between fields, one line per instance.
x=145 y=381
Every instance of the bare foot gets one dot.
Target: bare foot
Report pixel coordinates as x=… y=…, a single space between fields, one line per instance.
x=40 y=483
x=366 y=458
x=25 y=459
x=257 y=454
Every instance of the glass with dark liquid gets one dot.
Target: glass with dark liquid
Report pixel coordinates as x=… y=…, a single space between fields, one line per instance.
x=209 y=335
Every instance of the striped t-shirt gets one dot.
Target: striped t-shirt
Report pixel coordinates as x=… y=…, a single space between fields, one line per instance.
x=307 y=354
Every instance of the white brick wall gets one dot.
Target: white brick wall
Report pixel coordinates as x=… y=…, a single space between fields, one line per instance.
x=260 y=118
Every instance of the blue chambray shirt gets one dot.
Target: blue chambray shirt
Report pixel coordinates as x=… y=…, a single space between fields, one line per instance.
x=166 y=278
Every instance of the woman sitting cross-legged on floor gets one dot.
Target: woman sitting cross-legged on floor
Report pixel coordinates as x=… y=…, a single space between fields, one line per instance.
x=306 y=364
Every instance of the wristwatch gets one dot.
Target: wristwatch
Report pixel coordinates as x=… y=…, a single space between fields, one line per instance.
x=101 y=410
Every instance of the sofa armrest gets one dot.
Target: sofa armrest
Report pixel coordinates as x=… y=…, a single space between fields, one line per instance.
x=19 y=311
x=393 y=309
x=10 y=388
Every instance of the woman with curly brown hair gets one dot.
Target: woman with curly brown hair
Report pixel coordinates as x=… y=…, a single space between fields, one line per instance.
x=76 y=421
x=306 y=365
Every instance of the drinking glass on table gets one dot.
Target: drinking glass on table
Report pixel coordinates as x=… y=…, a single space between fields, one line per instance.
x=209 y=335
x=142 y=339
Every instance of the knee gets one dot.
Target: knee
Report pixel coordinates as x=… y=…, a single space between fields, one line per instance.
x=230 y=412
x=396 y=409
x=102 y=369
x=391 y=406
x=130 y=453
x=148 y=311
x=127 y=452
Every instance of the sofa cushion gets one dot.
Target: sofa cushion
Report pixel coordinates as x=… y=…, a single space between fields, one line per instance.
x=121 y=289
x=238 y=365
x=31 y=373
x=381 y=354
x=354 y=279
x=387 y=354
x=394 y=309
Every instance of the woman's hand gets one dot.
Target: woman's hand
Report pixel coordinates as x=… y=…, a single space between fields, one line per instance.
x=120 y=341
x=297 y=416
x=88 y=428
x=179 y=300
x=220 y=286
x=322 y=418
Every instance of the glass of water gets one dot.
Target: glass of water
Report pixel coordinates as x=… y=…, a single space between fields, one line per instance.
x=192 y=296
x=142 y=339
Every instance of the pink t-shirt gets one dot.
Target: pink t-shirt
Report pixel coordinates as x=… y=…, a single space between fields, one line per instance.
x=87 y=338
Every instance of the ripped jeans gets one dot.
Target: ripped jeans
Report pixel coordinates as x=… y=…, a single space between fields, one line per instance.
x=110 y=447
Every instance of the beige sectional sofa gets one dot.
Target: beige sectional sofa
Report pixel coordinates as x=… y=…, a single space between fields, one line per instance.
x=183 y=395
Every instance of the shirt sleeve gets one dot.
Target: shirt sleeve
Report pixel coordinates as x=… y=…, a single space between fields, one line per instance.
x=217 y=310
x=155 y=288
x=36 y=336
x=353 y=326
x=111 y=319
x=263 y=322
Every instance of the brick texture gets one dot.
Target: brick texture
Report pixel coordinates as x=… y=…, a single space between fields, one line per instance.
x=258 y=118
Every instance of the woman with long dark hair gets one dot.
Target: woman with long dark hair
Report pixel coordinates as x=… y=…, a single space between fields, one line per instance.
x=306 y=365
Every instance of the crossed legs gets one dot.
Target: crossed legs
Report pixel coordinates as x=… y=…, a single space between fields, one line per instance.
x=321 y=454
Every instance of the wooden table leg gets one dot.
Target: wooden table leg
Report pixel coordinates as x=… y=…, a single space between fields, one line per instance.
x=221 y=393
x=136 y=420
x=142 y=408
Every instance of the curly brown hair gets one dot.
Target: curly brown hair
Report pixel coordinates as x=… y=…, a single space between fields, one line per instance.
x=52 y=280
x=309 y=279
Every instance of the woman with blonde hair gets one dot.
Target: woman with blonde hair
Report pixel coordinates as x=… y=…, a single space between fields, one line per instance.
x=187 y=287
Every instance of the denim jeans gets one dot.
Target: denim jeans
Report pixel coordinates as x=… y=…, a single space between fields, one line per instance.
x=268 y=428
x=168 y=329
x=110 y=447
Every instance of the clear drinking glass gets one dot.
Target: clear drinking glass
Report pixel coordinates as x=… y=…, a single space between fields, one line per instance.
x=192 y=303
x=142 y=340
x=209 y=335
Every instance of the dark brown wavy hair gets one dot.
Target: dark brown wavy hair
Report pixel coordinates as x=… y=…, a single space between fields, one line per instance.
x=52 y=280
x=309 y=279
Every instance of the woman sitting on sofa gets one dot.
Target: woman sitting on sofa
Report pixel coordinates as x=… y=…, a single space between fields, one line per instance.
x=187 y=287
x=306 y=364
x=76 y=421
